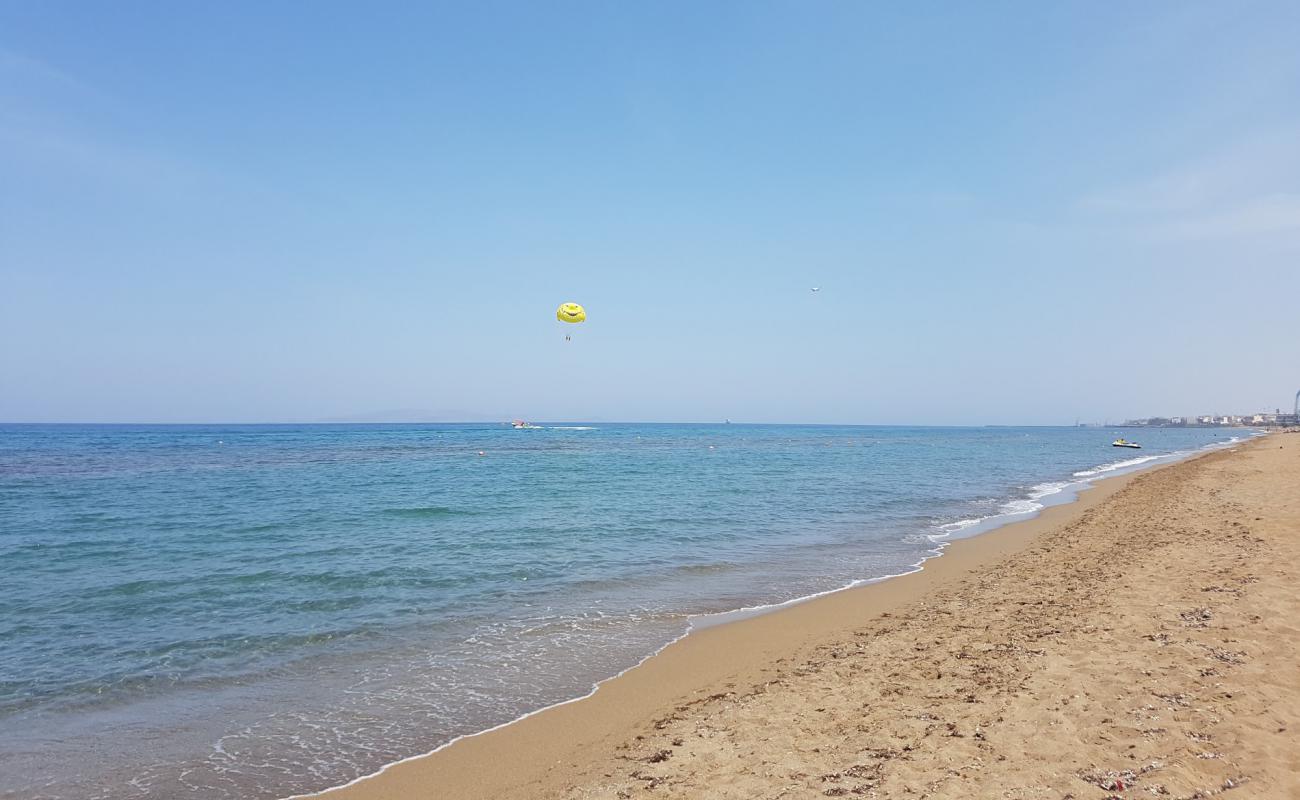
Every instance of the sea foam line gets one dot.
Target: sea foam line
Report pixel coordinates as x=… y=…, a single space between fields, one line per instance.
x=1025 y=508
x=1132 y=462
x=594 y=687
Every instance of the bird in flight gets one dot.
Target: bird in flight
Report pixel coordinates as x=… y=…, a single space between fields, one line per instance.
x=816 y=288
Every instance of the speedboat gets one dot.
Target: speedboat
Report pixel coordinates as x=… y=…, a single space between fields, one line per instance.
x=1122 y=442
x=520 y=425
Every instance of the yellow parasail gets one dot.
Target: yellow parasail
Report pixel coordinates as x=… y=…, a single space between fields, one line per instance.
x=571 y=312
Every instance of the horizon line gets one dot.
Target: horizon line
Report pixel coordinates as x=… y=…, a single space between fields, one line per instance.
x=599 y=422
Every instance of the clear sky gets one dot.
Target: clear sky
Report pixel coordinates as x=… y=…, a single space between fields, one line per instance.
x=1018 y=213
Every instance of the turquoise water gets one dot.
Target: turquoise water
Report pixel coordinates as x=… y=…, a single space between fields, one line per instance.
x=254 y=611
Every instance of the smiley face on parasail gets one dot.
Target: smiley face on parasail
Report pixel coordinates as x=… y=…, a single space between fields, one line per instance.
x=571 y=314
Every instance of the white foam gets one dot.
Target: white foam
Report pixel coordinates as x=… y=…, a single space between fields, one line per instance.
x=1114 y=465
x=1029 y=505
x=594 y=687
x=1016 y=507
x=1042 y=490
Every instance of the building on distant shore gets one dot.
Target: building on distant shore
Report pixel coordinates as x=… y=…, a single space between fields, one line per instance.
x=1262 y=419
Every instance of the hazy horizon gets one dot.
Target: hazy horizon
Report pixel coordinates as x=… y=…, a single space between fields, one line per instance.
x=1015 y=214
x=382 y=418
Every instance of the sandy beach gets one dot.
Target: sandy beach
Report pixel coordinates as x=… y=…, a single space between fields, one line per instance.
x=1141 y=642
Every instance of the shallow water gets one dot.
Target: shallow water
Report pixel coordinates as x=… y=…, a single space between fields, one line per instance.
x=254 y=611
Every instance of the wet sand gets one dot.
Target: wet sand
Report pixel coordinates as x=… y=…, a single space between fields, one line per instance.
x=1142 y=642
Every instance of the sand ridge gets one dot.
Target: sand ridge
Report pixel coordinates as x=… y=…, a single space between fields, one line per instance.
x=1143 y=643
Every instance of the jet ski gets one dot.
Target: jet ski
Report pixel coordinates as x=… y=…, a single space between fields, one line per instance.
x=1122 y=442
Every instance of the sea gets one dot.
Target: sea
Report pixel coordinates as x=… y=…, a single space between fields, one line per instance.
x=260 y=611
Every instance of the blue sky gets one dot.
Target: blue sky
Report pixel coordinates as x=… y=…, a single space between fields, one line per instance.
x=1018 y=213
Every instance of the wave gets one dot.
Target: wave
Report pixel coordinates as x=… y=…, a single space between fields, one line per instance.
x=1030 y=503
x=427 y=511
x=705 y=569
x=263 y=528
x=961 y=524
x=1114 y=465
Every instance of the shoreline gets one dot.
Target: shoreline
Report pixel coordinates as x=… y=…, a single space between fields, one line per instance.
x=461 y=767
x=1063 y=493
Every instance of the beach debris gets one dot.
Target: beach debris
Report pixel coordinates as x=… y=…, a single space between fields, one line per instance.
x=868 y=777
x=651 y=781
x=855 y=771
x=1226 y=656
x=1110 y=780
x=658 y=756
x=1230 y=783
x=676 y=716
x=883 y=753
x=1218 y=588
x=1197 y=617
x=1179 y=699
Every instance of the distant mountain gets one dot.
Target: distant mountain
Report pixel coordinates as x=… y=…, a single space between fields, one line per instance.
x=419 y=415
